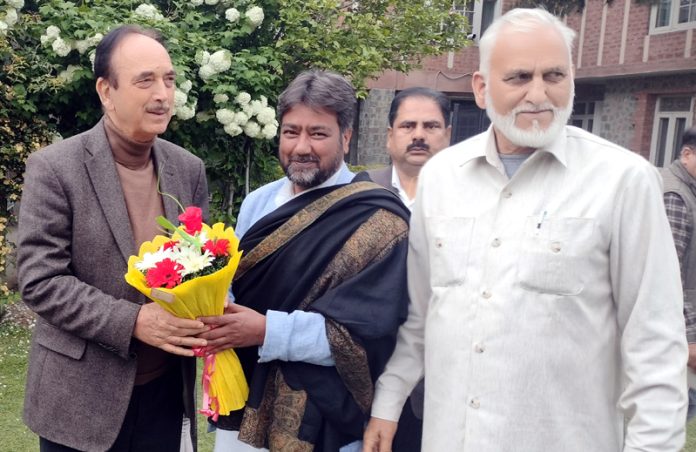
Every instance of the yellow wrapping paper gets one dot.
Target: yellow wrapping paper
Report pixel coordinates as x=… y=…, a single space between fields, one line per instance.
x=224 y=385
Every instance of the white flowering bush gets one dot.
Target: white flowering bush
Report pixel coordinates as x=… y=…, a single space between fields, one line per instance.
x=232 y=59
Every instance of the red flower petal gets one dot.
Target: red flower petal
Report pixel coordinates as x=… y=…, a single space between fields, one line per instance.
x=192 y=219
x=164 y=274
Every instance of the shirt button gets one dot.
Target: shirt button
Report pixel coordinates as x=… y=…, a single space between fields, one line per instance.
x=486 y=294
x=479 y=348
x=555 y=247
x=507 y=194
x=474 y=403
x=495 y=243
x=438 y=243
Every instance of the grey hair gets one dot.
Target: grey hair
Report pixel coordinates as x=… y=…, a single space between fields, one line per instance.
x=321 y=89
x=525 y=20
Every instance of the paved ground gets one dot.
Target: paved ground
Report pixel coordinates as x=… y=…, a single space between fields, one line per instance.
x=17 y=313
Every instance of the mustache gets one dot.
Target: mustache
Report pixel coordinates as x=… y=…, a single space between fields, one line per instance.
x=159 y=108
x=545 y=106
x=420 y=145
x=304 y=159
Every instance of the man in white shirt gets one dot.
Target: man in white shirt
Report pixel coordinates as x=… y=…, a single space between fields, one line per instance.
x=546 y=304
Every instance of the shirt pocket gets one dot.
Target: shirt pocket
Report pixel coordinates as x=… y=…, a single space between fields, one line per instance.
x=554 y=254
x=449 y=243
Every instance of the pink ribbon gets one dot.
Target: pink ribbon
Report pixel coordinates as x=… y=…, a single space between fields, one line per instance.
x=208 y=370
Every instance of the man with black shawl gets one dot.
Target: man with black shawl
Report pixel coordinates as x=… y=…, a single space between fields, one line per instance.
x=321 y=289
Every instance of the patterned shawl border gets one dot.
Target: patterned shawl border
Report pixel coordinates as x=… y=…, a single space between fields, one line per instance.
x=298 y=223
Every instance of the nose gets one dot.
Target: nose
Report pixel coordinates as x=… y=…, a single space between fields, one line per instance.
x=303 y=144
x=537 y=91
x=160 y=90
x=418 y=133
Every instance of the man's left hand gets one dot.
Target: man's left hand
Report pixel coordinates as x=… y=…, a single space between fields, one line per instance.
x=239 y=326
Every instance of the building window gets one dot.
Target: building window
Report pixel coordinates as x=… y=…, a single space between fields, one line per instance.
x=671 y=15
x=672 y=118
x=586 y=115
x=479 y=13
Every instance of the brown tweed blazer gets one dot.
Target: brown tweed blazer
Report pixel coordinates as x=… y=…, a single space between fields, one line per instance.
x=383 y=177
x=74 y=242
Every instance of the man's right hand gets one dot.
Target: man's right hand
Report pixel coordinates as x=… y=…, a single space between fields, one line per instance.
x=155 y=326
x=379 y=435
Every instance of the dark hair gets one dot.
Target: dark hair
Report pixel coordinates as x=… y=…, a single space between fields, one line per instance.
x=321 y=89
x=102 y=56
x=689 y=138
x=418 y=91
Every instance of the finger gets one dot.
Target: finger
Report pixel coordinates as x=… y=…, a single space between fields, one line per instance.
x=185 y=323
x=234 y=307
x=214 y=320
x=186 y=341
x=385 y=443
x=217 y=333
x=181 y=351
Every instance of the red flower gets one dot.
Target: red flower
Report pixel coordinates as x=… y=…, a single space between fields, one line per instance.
x=192 y=219
x=217 y=248
x=164 y=274
x=170 y=244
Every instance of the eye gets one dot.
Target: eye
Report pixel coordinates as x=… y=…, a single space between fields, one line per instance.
x=518 y=78
x=169 y=80
x=554 y=76
x=289 y=133
x=144 y=82
x=319 y=135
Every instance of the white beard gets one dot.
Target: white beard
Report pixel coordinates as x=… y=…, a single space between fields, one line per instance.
x=533 y=137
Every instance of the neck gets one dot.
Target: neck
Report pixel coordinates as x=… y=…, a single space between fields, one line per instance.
x=127 y=152
x=506 y=147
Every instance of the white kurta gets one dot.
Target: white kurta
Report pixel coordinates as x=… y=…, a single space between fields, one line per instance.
x=550 y=304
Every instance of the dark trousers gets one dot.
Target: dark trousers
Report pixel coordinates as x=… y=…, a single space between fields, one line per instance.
x=409 y=432
x=153 y=420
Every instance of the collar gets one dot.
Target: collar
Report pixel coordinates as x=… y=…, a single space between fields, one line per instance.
x=396 y=183
x=126 y=151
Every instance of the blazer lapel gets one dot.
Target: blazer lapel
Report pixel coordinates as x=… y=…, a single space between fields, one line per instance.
x=107 y=187
x=168 y=184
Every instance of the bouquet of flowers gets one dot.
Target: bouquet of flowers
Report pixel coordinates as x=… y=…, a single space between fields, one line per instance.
x=188 y=274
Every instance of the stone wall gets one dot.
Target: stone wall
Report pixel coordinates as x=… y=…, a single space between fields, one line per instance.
x=372 y=128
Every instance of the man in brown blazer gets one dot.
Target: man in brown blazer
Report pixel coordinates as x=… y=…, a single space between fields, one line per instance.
x=108 y=371
x=419 y=127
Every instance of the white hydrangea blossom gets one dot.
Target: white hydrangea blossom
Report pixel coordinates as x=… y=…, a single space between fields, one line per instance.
x=96 y=39
x=45 y=39
x=232 y=14
x=180 y=98
x=10 y=16
x=202 y=58
x=148 y=11
x=248 y=110
x=61 y=47
x=211 y=2
x=196 y=2
x=243 y=98
x=252 y=129
x=52 y=31
x=264 y=100
x=269 y=131
x=206 y=71
x=241 y=118
x=3 y=28
x=225 y=116
x=16 y=4
x=266 y=116
x=67 y=74
x=56 y=138
x=186 y=86
x=185 y=112
x=256 y=106
x=233 y=129
x=82 y=46
x=221 y=60
x=92 y=56
x=254 y=15
x=221 y=98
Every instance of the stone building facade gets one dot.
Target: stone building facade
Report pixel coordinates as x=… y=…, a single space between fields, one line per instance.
x=635 y=78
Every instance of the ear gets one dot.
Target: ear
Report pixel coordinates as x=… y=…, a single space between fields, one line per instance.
x=345 y=139
x=390 y=137
x=104 y=91
x=478 y=84
x=448 y=132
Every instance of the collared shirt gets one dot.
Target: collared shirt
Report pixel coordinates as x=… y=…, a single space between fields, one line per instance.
x=546 y=309
x=396 y=183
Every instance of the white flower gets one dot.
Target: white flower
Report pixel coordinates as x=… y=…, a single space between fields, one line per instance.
x=233 y=129
x=3 y=28
x=82 y=45
x=196 y=2
x=264 y=100
x=221 y=60
x=193 y=261
x=185 y=112
x=241 y=118
x=56 y=137
x=266 y=115
x=269 y=131
x=256 y=106
x=149 y=260
x=186 y=86
x=252 y=129
x=61 y=47
x=92 y=55
x=255 y=15
x=180 y=98
x=10 y=16
x=206 y=71
x=45 y=39
x=243 y=98
x=211 y=2
x=248 y=110
x=148 y=11
x=17 y=4
x=221 y=98
x=225 y=116
x=52 y=31
x=96 y=39
x=67 y=74
x=232 y=14
x=202 y=58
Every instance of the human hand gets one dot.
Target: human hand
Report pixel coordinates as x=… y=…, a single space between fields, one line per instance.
x=157 y=327
x=692 y=357
x=379 y=435
x=239 y=326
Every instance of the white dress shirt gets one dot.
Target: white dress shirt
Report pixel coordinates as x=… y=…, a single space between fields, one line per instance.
x=547 y=308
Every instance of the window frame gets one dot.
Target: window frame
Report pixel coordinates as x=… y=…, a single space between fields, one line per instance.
x=478 y=14
x=673 y=25
x=672 y=117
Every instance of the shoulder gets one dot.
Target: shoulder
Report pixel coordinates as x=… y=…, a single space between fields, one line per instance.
x=381 y=176
x=262 y=194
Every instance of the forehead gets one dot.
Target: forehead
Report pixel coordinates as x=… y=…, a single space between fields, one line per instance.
x=540 y=49
x=301 y=115
x=138 y=53
x=419 y=108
